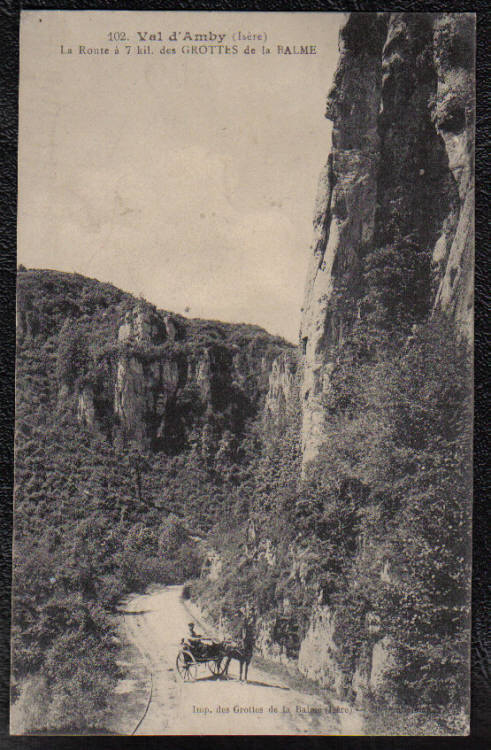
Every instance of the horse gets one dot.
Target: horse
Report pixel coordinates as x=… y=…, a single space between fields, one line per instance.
x=242 y=652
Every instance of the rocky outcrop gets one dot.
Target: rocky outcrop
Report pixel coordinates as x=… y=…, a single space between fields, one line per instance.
x=344 y=215
x=86 y=414
x=147 y=383
x=282 y=395
x=140 y=375
x=400 y=173
x=154 y=385
x=143 y=393
x=142 y=324
x=156 y=379
x=454 y=119
x=317 y=658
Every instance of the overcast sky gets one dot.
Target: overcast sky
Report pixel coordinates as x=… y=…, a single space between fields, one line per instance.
x=188 y=179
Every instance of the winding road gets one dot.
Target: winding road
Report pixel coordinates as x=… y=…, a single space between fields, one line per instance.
x=154 y=623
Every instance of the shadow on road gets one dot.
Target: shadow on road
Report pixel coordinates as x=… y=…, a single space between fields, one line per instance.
x=249 y=682
x=266 y=684
x=133 y=611
x=214 y=678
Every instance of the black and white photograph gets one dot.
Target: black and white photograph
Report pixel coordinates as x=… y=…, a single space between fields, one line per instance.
x=244 y=374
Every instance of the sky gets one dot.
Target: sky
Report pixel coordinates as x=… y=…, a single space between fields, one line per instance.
x=189 y=179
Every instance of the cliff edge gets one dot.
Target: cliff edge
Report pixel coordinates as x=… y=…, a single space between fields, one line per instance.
x=399 y=177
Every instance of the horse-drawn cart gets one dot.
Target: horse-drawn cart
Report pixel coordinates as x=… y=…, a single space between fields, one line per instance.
x=204 y=651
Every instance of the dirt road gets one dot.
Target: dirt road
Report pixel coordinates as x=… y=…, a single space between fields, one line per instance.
x=155 y=623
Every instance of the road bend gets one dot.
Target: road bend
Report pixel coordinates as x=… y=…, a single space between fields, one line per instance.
x=154 y=623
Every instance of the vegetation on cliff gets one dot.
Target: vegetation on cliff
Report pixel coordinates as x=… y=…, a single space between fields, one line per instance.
x=98 y=515
x=378 y=532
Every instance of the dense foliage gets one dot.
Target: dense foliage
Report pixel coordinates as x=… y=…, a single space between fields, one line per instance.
x=405 y=433
x=96 y=517
x=378 y=530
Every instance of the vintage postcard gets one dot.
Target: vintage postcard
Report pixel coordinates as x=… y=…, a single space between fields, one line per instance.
x=244 y=374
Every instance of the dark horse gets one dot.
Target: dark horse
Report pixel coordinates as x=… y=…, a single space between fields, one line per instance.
x=242 y=651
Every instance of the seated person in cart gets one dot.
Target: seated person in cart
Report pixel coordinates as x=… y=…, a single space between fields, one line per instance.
x=193 y=636
x=194 y=639
x=200 y=646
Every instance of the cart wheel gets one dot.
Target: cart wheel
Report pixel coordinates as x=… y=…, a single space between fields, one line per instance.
x=217 y=666
x=186 y=666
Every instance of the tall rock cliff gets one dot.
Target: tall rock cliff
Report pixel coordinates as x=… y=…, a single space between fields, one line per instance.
x=399 y=175
x=145 y=377
x=282 y=395
x=146 y=387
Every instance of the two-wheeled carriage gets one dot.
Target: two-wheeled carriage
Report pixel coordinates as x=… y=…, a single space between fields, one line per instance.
x=206 y=652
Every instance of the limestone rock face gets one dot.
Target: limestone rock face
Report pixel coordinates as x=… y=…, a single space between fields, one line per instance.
x=216 y=374
x=203 y=376
x=139 y=376
x=221 y=387
x=162 y=385
x=143 y=391
x=317 y=657
x=282 y=394
x=400 y=170
x=143 y=325
x=131 y=398
x=171 y=328
x=145 y=388
x=344 y=216
x=453 y=38
x=85 y=407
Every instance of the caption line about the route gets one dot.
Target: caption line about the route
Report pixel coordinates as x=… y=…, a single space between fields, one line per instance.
x=140 y=43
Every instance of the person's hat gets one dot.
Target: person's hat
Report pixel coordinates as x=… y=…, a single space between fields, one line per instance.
x=190 y=624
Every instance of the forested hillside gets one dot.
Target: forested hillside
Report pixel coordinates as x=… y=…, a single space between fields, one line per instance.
x=103 y=507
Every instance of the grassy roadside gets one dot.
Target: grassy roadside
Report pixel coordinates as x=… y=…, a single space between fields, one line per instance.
x=129 y=698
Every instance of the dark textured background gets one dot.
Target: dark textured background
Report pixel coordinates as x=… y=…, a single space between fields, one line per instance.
x=481 y=703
